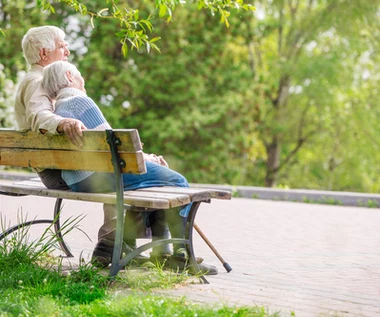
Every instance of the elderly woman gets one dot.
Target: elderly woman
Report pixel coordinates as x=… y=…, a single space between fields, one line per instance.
x=63 y=82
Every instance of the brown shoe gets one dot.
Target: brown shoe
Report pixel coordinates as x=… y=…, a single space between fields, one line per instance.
x=103 y=252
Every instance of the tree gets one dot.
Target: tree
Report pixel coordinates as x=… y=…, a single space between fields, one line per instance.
x=300 y=54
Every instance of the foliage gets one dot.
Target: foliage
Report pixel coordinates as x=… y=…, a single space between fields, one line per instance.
x=12 y=64
x=133 y=29
x=305 y=59
x=7 y=95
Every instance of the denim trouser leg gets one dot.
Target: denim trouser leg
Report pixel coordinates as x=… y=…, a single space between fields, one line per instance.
x=156 y=175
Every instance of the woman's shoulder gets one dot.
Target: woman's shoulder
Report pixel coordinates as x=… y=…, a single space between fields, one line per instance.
x=85 y=100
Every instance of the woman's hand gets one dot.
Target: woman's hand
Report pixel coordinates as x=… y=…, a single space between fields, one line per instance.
x=156 y=159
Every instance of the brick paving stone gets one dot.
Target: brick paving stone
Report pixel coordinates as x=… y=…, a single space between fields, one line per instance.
x=315 y=260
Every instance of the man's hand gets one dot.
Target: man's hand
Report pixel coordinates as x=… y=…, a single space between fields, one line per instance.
x=72 y=128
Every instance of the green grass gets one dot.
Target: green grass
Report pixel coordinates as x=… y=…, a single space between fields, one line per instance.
x=33 y=284
x=323 y=200
x=369 y=203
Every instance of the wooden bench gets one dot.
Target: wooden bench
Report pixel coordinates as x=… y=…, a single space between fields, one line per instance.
x=116 y=151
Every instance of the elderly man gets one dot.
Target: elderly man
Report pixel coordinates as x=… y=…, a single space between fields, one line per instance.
x=33 y=108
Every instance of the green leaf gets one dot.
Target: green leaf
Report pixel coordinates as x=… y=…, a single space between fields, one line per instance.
x=124 y=49
x=162 y=10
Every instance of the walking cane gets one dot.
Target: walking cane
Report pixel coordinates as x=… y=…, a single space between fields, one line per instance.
x=225 y=264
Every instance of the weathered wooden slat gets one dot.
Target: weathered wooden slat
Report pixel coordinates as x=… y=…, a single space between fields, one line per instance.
x=177 y=196
x=31 y=183
x=71 y=160
x=130 y=199
x=174 y=199
x=92 y=140
x=196 y=194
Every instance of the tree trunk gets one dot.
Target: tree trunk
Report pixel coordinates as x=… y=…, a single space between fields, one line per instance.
x=273 y=162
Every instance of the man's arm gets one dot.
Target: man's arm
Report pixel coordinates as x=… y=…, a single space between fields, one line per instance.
x=41 y=117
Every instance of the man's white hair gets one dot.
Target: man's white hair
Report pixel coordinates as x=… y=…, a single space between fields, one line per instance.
x=40 y=37
x=55 y=77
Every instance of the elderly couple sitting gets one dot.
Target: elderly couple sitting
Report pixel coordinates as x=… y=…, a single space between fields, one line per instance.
x=63 y=82
x=51 y=98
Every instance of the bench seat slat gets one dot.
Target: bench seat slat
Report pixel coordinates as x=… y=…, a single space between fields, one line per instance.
x=153 y=197
x=109 y=198
x=71 y=160
x=174 y=199
x=196 y=194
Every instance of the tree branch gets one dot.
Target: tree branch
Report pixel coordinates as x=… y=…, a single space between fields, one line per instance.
x=303 y=34
x=280 y=28
x=298 y=146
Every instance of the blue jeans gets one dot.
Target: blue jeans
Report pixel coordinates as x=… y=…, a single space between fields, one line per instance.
x=156 y=175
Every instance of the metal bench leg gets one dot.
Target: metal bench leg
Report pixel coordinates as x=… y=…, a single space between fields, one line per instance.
x=131 y=255
x=19 y=226
x=24 y=224
x=189 y=237
x=55 y=221
x=117 y=163
x=57 y=228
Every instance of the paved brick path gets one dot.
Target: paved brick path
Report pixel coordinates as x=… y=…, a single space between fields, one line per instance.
x=315 y=260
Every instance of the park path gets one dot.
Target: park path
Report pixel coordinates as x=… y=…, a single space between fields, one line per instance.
x=315 y=260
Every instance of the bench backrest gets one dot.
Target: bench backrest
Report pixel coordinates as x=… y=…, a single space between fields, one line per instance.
x=29 y=149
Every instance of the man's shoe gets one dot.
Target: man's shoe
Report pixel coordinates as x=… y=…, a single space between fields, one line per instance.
x=103 y=252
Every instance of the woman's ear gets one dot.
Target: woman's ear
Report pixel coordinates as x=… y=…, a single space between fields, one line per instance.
x=69 y=76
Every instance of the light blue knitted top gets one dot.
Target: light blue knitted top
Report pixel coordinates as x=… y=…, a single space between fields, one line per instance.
x=74 y=103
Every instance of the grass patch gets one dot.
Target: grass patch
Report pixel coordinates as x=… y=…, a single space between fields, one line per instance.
x=370 y=203
x=33 y=284
x=152 y=276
